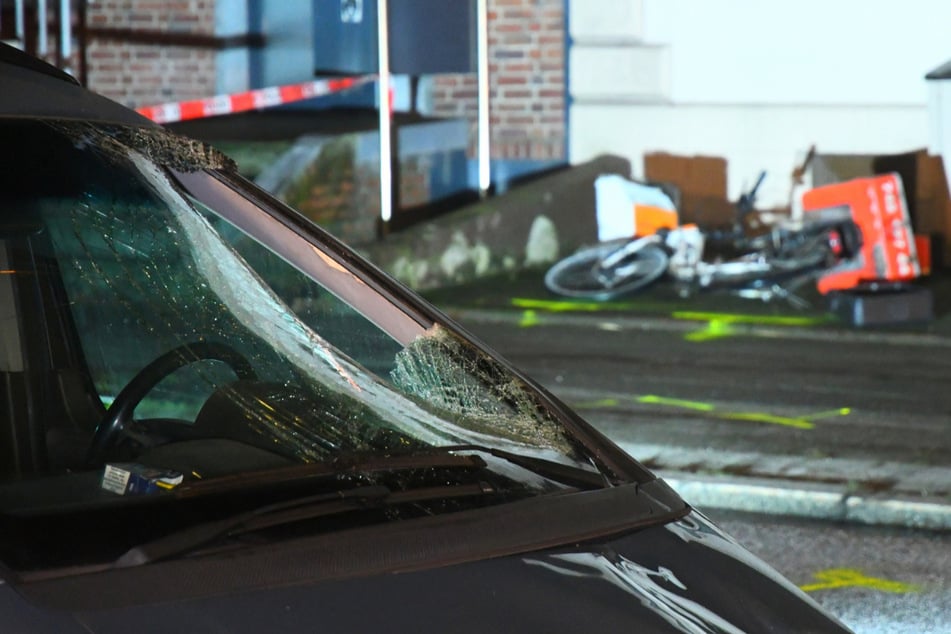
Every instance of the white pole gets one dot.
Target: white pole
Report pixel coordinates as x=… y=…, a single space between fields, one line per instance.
x=18 y=21
x=65 y=32
x=43 y=44
x=485 y=150
x=383 y=94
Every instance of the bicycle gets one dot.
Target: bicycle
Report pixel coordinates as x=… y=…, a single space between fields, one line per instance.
x=772 y=265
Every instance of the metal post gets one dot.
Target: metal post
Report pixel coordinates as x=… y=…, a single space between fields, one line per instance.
x=383 y=94
x=485 y=150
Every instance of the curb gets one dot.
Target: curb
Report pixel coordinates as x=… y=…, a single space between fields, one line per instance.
x=774 y=492
x=807 y=500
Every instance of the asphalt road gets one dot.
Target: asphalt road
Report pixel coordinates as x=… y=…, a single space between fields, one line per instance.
x=789 y=392
x=876 y=580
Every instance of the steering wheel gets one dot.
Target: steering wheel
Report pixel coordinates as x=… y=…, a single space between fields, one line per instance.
x=119 y=414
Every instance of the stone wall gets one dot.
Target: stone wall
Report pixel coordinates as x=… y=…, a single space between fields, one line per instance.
x=138 y=74
x=527 y=81
x=528 y=227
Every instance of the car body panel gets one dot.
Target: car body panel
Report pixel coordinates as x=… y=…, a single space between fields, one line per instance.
x=682 y=577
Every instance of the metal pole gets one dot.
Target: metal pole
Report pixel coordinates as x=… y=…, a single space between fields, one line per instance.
x=43 y=44
x=383 y=94
x=485 y=149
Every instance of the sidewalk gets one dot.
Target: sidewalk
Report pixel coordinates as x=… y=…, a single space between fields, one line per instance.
x=829 y=488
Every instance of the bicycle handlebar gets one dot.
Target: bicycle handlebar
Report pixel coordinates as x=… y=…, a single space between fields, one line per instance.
x=748 y=200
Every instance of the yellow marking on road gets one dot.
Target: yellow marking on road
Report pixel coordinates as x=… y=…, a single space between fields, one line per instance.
x=604 y=402
x=652 y=399
x=803 y=422
x=832 y=413
x=554 y=306
x=715 y=329
x=529 y=319
x=770 y=419
x=718 y=324
x=835 y=578
x=760 y=320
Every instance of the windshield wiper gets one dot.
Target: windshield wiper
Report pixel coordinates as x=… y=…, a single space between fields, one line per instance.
x=342 y=501
x=290 y=511
x=342 y=465
x=555 y=471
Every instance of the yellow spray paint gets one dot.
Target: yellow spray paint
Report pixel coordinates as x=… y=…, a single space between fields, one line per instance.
x=757 y=320
x=715 y=329
x=803 y=422
x=604 y=402
x=529 y=319
x=556 y=306
x=652 y=399
x=835 y=578
x=769 y=419
x=832 y=413
x=719 y=324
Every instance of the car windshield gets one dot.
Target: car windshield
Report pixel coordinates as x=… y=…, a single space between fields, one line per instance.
x=162 y=333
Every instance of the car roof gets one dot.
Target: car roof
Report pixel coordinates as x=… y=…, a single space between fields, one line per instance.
x=33 y=89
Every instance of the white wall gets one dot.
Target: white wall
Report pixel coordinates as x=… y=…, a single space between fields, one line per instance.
x=754 y=81
x=800 y=51
x=752 y=138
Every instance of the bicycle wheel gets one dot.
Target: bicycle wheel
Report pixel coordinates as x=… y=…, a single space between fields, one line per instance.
x=581 y=274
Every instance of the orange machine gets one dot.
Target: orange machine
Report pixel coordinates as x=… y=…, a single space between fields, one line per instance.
x=877 y=206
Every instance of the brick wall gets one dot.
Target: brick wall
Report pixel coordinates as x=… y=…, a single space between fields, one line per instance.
x=527 y=81
x=144 y=74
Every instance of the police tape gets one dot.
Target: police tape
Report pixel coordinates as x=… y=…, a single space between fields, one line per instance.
x=249 y=100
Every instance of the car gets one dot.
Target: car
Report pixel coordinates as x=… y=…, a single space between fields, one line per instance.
x=218 y=418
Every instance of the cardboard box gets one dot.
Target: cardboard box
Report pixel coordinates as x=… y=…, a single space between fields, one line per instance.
x=136 y=479
x=702 y=181
x=929 y=202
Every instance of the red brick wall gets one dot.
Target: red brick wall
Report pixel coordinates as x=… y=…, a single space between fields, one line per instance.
x=527 y=81
x=145 y=74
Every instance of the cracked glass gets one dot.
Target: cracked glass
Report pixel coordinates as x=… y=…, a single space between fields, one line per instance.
x=234 y=343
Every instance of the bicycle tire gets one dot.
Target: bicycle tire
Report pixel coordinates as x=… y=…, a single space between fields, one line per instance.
x=578 y=276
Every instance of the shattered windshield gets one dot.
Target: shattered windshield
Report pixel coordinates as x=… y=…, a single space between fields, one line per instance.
x=164 y=331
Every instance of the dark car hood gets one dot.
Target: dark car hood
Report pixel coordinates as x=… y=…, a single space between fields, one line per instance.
x=682 y=577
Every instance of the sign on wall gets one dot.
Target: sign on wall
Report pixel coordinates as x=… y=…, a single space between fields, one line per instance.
x=351 y=11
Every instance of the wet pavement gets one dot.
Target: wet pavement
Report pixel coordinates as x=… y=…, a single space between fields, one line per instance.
x=741 y=404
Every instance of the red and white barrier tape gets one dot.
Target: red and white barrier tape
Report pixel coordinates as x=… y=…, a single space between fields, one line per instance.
x=250 y=100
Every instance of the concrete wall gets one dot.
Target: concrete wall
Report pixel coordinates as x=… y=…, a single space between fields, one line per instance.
x=529 y=227
x=755 y=82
